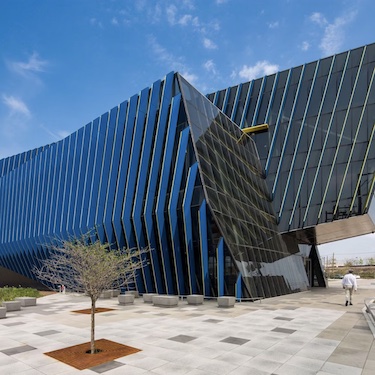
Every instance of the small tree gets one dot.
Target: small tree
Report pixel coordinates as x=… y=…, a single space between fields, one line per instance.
x=90 y=267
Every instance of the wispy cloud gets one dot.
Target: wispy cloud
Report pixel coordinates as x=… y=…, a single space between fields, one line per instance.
x=334 y=33
x=319 y=19
x=171 y=61
x=192 y=78
x=15 y=105
x=185 y=19
x=162 y=53
x=95 y=22
x=56 y=136
x=261 y=68
x=210 y=66
x=273 y=25
x=171 y=14
x=182 y=20
x=305 y=46
x=209 y=44
x=29 y=68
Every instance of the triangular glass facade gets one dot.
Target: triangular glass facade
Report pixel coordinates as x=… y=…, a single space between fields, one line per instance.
x=225 y=212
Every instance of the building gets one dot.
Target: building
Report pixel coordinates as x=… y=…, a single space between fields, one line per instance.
x=233 y=191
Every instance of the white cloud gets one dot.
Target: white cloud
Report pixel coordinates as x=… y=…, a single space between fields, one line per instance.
x=185 y=20
x=55 y=136
x=334 y=33
x=33 y=65
x=273 y=25
x=188 y=4
x=261 y=68
x=318 y=18
x=16 y=106
x=191 y=78
x=172 y=62
x=209 y=44
x=305 y=46
x=114 y=21
x=63 y=133
x=161 y=53
x=96 y=22
x=210 y=66
x=221 y=1
x=171 y=14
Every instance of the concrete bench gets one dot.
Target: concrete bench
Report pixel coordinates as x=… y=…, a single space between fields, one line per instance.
x=105 y=294
x=165 y=301
x=135 y=293
x=114 y=292
x=26 y=301
x=12 y=305
x=126 y=299
x=226 y=301
x=147 y=297
x=195 y=299
x=3 y=312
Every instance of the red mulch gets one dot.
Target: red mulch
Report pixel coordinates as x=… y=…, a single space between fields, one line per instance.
x=97 y=310
x=77 y=357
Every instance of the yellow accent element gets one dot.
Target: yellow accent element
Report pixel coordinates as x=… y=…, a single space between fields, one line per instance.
x=256 y=129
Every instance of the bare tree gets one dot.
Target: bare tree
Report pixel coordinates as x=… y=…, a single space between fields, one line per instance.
x=90 y=267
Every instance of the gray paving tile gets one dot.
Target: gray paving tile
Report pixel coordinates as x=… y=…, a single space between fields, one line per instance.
x=182 y=338
x=47 y=333
x=235 y=340
x=212 y=321
x=13 y=324
x=106 y=367
x=283 y=330
x=18 y=349
x=283 y=318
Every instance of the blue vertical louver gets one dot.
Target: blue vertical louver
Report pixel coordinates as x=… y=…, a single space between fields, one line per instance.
x=170 y=170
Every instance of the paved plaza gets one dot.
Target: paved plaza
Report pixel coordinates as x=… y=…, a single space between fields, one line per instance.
x=306 y=333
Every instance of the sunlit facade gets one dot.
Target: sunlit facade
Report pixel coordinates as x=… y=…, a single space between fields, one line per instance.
x=225 y=212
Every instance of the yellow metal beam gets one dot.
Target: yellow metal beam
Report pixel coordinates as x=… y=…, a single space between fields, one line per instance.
x=256 y=129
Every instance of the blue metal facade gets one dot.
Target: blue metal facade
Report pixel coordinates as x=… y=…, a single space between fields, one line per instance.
x=319 y=153
x=170 y=169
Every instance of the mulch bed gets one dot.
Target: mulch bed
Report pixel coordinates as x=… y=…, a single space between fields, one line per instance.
x=97 y=310
x=78 y=357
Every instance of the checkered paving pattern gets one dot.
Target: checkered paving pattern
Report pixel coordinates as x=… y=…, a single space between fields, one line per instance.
x=306 y=333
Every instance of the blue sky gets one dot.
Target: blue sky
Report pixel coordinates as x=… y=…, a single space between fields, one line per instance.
x=64 y=63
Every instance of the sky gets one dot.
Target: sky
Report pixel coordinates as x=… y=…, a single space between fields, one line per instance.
x=65 y=62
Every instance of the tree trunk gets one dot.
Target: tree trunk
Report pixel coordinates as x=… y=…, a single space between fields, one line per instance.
x=93 y=301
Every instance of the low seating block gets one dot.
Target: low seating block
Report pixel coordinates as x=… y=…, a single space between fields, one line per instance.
x=226 y=301
x=27 y=301
x=147 y=297
x=3 y=312
x=134 y=292
x=106 y=294
x=12 y=305
x=125 y=299
x=165 y=300
x=195 y=299
x=114 y=292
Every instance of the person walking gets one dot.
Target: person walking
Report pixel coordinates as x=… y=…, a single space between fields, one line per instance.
x=349 y=283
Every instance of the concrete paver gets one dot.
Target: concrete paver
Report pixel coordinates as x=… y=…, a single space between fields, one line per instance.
x=304 y=333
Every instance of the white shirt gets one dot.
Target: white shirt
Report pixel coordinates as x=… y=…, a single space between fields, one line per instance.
x=349 y=280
